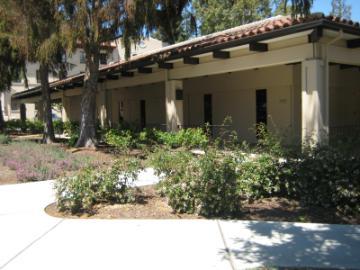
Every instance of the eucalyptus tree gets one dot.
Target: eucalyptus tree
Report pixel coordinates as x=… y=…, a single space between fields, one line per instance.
x=91 y=24
x=35 y=34
x=173 y=20
x=298 y=7
x=10 y=64
x=341 y=9
x=216 y=15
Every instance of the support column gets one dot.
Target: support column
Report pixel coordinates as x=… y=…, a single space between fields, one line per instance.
x=65 y=108
x=174 y=105
x=102 y=108
x=315 y=102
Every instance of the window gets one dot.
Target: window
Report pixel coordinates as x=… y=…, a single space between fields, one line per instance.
x=142 y=114
x=261 y=107
x=38 y=80
x=103 y=58
x=82 y=57
x=208 y=109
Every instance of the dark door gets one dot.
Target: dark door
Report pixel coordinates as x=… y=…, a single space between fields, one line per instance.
x=142 y=114
x=208 y=109
x=261 y=107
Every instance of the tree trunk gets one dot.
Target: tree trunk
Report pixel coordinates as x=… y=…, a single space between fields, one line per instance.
x=2 y=122
x=23 y=117
x=48 y=136
x=87 y=136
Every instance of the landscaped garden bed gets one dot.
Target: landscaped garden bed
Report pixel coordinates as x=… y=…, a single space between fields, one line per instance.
x=221 y=179
x=24 y=160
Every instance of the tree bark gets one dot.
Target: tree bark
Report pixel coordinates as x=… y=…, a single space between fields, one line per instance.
x=2 y=122
x=23 y=117
x=48 y=135
x=87 y=136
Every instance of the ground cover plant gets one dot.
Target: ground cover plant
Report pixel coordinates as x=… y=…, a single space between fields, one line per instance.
x=4 y=139
x=35 y=162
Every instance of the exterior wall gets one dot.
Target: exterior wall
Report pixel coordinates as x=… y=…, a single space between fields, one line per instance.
x=125 y=104
x=234 y=95
x=344 y=99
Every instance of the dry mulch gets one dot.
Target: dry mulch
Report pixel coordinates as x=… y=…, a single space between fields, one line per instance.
x=150 y=205
x=7 y=176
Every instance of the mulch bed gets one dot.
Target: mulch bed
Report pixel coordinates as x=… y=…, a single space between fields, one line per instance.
x=150 y=205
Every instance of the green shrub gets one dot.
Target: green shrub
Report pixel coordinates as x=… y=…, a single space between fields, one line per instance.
x=259 y=176
x=58 y=126
x=91 y=186
x=72 y=129
x=4 y=139
x=327 y=177
x=35 y=126
x=15 y=125
x=122 y=140
x=205 y=185
x=189 y=138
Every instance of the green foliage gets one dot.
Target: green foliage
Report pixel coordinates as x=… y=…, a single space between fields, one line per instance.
x=204 y=185
x=269 y=142
x=122 y=140
x=72 y=129
x=16 y=125
x=259 y=176
x=58 y=126
x=217 y=15
x=189 y=138
x=4 y=139
x=226 y=137
x=35 y=126
x=91 y=186
x=327 y=177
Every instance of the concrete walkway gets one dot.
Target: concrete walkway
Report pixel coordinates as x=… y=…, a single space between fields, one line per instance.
x=29 y=239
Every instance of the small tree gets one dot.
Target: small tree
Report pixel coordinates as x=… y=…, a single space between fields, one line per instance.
x=34 y=33
x=9 y=69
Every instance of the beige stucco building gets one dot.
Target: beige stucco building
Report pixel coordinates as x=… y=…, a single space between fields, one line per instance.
x=298 y=76
x=75 y=62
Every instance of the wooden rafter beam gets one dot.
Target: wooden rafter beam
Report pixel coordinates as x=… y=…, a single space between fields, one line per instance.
x=315 y=35
x=353 y=43
x=258 y=47
x=165 y=65
x=221 y=54
x=145 y=70
x=191 y=60
x=127 y=74
x=112 y=77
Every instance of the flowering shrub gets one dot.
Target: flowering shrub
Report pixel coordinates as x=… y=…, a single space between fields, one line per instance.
x=259 y=177
x=36 y=162
x=205 y=185
x=91 y=186
x=326 y=177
